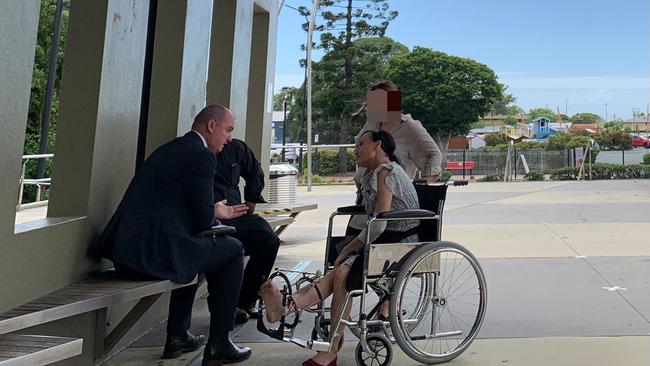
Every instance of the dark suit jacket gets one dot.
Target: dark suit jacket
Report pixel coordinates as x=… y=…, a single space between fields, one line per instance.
x=234 y=161
x=168 y=202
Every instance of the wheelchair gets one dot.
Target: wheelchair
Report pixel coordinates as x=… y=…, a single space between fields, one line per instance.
x=436 y=291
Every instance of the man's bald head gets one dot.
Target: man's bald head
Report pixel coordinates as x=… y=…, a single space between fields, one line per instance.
x=214 y=112
x=215 y=123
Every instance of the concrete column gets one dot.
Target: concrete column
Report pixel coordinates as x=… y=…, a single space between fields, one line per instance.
x=260 y=85
x=18 y=28
x=179 y=69
x=230 y=50
x=100 y=106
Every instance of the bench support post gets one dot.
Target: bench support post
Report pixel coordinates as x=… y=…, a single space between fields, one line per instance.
x=100 y=332
x=129 y=320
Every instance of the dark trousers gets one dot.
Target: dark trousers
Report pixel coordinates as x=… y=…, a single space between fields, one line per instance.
x=221 y=260
x=261 y=244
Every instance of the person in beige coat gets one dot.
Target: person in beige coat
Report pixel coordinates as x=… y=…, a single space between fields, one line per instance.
x=415 y=148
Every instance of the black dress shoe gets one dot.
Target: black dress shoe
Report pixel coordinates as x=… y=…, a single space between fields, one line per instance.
x=252 y=312
x=241 y=316
x=223 y=352
x=177 y=345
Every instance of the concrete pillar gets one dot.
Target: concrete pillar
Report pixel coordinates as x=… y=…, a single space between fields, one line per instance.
x=100 y=107
x=179 y=69
x=18 y=28
x=230 y=50
x=260 y=84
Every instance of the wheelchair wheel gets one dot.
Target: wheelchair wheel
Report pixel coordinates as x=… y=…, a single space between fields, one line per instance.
x=380 y=345
x=438 y=302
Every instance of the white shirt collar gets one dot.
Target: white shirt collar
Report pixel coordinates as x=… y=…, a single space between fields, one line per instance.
x=202 y=138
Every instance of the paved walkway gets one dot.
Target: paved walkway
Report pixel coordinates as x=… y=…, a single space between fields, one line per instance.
x=567 y=265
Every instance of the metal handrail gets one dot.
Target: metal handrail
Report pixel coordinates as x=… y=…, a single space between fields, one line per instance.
x=40 y=182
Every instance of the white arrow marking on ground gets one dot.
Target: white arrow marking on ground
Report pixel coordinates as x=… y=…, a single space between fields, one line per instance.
x=614 y=288
x=579 y=256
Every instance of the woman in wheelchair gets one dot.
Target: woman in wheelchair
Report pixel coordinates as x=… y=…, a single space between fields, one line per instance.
x=385 y=187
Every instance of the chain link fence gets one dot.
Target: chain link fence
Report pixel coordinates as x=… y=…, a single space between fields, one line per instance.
x=494 y=162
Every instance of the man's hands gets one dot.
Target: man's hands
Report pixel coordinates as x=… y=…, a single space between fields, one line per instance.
x=224 y=212
x=251 y=207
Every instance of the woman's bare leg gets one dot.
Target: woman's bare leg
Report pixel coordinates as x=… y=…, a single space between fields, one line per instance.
x=303 y=298
x=339 y=281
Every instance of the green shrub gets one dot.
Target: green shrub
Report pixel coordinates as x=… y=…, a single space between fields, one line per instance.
x=568 y=173
x=534 y=176
x=498 y=147
x=604 y=171
x=493 y=139
x=646 y=159
x=445 y=176
x=326 y=162
x=498 y=177
x=529 y=145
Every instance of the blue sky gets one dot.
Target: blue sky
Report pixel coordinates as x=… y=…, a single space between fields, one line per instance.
x=589 y=52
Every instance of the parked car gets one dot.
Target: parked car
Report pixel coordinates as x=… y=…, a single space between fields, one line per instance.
x=638 y=141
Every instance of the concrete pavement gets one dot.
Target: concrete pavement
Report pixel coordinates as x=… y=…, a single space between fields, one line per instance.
x=567 y=265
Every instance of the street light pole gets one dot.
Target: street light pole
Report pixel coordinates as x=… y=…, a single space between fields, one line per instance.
x=310 y=32
x=286 y=91
x=605 y=112
x=284 y=127
x=566 y=107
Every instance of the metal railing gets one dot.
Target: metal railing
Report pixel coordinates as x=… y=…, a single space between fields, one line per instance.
x=40 y=183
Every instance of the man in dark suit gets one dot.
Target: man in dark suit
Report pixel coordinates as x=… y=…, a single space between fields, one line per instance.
x=155 y=232
x=236 y=161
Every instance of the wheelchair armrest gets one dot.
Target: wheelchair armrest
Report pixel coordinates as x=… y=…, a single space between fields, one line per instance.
x=352 y=210
x=218 y=230
x=406 y=214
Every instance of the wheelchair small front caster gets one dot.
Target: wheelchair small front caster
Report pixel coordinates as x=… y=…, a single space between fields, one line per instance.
x=380 y=345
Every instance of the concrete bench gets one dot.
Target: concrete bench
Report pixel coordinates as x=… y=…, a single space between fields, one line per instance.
x=20 y=350
x=272 y=210
x=98 y=292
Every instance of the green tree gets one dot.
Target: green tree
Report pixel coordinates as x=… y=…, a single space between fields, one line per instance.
x=493 y=139
x=585 y=118
x=370 y=63
x=505 y=105
x=614 y=125
x=38 y=89
x=615 y=139
x=542 y=112
x=510 y=121
x=345 y=23
x=447 y=93
x=559 y=141
x=39 y=77
x=513 y=110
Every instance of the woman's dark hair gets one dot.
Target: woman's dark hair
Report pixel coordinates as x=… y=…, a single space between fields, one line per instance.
x=387 y=143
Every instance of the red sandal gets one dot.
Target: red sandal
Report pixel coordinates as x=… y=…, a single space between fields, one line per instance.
x=311 y=362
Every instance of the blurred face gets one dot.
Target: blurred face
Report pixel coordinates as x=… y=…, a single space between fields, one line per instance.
x=220 y=133
x=377 y=107
x=366 y=150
